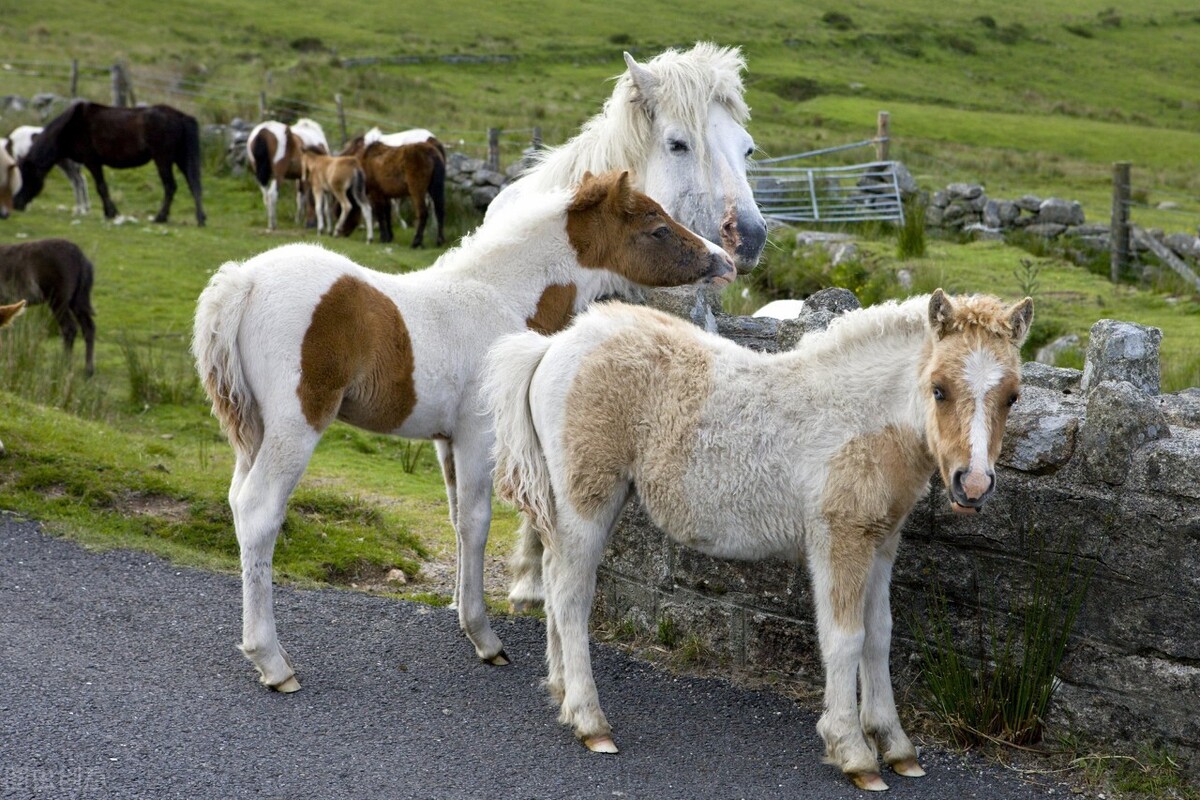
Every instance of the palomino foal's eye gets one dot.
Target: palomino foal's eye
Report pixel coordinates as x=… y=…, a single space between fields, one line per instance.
x=1013 y=398
x=938 y=394
x=677 y=146
x=661 y=232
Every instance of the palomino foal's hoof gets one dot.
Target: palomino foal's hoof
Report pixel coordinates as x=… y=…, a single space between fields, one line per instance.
x=288 y=686
x=499 y=660
x=909 y=768
x=600 y=744
x=868 y=781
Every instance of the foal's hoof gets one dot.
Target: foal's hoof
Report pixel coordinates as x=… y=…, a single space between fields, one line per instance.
x=602 y=744
x=909 y=768
x=288 y=686
x=868 y=781
x=499 y=660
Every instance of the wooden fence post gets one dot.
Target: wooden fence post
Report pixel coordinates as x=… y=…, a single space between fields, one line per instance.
x=1119 y=229
x=537 y=137
x=494 y=148
x=118 y=86
x=341 y=116
x=882 y=136
x=74 y=77
x=262 y=106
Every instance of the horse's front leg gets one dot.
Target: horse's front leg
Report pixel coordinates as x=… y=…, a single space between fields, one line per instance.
x=879 y=718
x=167 y=175
x=840 y=566
x=445 y=454
x=422 y=215
x=473 y=474
x=258 y=497
x=110 y=209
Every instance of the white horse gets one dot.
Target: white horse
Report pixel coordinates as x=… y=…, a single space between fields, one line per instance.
x=19 y=142
x=275 y=155
x=297 y=337
x=816 y=453
x=677 y=122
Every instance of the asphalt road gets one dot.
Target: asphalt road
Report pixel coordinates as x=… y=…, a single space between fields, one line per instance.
x=119 y=678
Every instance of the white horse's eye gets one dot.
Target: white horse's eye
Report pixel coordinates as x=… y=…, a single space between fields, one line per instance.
x=749 y=152
x=677 y=146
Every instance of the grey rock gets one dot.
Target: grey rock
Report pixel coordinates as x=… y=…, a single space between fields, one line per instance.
x=700 y=305
x=488 y=177
x=941 y=199
x=1049 y=353
x=1184 y=245
x=821 y=238
x=1122 y=351
x=1045 y=376
x=965 y=191
x=1088 y=229
x=1182 y=407
x=1060 y=212
x=1170 y=466
x=991 y=214
x=1047 y=230
x=1028 y=202
x=834 y=300
x=905 y=181
x=934 y=216
x=1040 y=436
x=1121 y=418
x=1008 y=212
x=756 y=333
x=482 y=196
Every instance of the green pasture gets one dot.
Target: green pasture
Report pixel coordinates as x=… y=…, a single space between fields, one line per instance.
x=1034 y=97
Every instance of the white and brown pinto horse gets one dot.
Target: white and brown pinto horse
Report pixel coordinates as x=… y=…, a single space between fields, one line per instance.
x=297 y=337
x=336 y=179
x=818 y=454
x=10 y=179
x=7 y=315
x=20 y=142
x=275 y=152
x=678 y=123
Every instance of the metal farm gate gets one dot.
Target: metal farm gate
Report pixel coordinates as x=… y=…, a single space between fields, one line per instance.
x=790 y=193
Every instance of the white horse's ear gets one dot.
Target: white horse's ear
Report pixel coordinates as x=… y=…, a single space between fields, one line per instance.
x=643 y=79
x=941 y=311
x=1020 y=320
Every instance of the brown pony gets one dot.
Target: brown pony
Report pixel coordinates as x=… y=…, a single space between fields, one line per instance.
x=340 y=178
x=274 y=150
x=57 y=272
x=412 y=171
x=98 y=136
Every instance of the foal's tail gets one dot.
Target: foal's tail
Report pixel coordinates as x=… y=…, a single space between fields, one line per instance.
x=521 y=474
x=218 y=360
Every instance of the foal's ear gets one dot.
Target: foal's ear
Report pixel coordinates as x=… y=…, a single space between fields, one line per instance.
x=592 y=190
x=643 y=79
x=941 y=311
x=1020 y=319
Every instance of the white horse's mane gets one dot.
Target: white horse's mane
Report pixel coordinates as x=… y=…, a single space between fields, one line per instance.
x=687 y=81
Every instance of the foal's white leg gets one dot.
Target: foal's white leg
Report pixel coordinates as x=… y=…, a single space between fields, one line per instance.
x=879 y=718
x=526 y=592
x=259 y=504
x=838 y=597
x=445 y=454
x=473 y=475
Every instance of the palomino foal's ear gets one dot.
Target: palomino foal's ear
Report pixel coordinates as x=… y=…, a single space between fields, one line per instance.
x=1020 y=319
x=643 y=79
x=941 y=311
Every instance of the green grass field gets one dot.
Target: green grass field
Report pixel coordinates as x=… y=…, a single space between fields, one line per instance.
x=1039 y=97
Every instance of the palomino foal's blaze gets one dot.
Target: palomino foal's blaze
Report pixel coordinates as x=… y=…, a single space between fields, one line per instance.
x=297 y=337
x=818 y=453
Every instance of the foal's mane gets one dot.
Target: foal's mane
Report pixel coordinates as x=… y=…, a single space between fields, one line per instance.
x=619 y=136
x=514 y=226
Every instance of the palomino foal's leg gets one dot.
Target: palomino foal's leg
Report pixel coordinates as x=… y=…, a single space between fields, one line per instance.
x=473 y=474
x=879 y=717
x=839 y=577
x=526 y=592
x=259 y=504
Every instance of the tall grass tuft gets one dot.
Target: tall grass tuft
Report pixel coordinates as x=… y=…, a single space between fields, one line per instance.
x=1002 y=688
x=34 y=366
x=158 y=374
x=911 y=235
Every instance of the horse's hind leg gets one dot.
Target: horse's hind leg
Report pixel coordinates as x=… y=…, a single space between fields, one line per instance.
x=78 y=185
x=422 y=214
x=66 y=324
x=258 y=497
x=167 y=176
x=878 y=716
x=445 y=454
x=526 y=592
x=190 y=167
x=88 y=327
x=110 y=208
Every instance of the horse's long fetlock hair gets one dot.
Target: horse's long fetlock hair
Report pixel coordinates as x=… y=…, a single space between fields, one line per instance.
x=218 y=360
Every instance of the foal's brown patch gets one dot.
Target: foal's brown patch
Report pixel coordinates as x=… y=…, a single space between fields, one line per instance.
x=554 y=310
x=874 y=481
x=356 y=361
x=636 y=404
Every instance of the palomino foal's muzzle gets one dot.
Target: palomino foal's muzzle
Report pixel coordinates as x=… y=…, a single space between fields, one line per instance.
x=968 y=494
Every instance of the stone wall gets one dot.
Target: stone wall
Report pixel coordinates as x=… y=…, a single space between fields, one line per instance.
x=1097 y=459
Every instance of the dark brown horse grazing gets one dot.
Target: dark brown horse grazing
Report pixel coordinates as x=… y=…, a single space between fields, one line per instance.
x=100 y=136
x=57 y=272
x=412 y=171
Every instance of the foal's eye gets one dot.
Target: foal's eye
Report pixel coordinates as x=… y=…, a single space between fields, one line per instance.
x=661 y=232
x=1012 y=398
x=938 y=394
x=677 y=146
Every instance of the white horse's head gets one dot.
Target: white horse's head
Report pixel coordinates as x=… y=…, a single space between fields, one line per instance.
x=688 y=110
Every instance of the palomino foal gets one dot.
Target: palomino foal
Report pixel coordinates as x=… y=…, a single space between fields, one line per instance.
x=336 y=178
x=297 y=337
x=817 y=453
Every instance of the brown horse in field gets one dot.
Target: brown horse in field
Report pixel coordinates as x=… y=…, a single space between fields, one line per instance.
x=275 y=152
x=57 y=272
x=99 y=136
x=412 y=171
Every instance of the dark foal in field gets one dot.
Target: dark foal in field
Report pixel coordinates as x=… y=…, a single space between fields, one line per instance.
x=99 y=136
x=56 y=272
